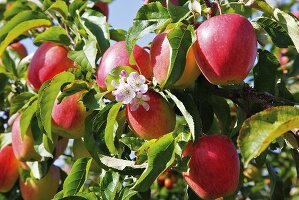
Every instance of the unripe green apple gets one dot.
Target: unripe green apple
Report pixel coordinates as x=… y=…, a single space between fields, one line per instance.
x=160 y=55
x=226 y=48
x=43 y=189
x=152 y=123
x=49 y=60
x=23 y=148
x=9 y=169
x=68 y=117
x=103 y=8
x=117 y=55
x=214 y=167
x=80 y=151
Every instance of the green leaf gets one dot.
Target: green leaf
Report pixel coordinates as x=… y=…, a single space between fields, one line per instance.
x=114 y=74
x=290 y=24
x=96 y=25
x=20 y=101
x=261 y=129
x=277 y=33
x=110 y=182
x=74 y=182
x=178 y=13
x=73 y=88
x=160 y=157
x=60 y=7
x=265 y=72
x=127 y=194
x=222 y=111
x=54 y=34
x=134 y=143
x=118 y=34
x=5 y=139
x=111 y=127
x=148 y=18
x=180 y=40
x=47 y=96
x=187 y=106
x=86 y=58
x=20 y=29
x=26 y=118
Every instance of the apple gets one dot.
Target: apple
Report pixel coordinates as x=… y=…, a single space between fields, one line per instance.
x=103 y=8
x=68 y=117
x=296 y=13
x=214 y=167
x=9 y=169
x=20 y=49
x=49 y=60
x=157 y=121
x=117 y=55
x=80 y=151
x=23 y=148
x=160 y=56
x=43 y=189
x=168 y=183
x=174 y=2
x=226 y=48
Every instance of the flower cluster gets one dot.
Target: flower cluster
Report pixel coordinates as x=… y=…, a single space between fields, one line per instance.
x=131 y=90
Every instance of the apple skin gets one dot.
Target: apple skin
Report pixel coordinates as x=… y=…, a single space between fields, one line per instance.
x=103 y=8
x=23 y=148
x=20 y=49
x=49 y=60
x=45 y=188
x=154 y=123
x=226 y=48
x=214 y=167
x=9 y=169
x=68 y=117
x=117 y=55
x=174 y=2
x=160 y=55
x=80 y=151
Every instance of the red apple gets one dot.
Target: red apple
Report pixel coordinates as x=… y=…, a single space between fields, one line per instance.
x=214 y=167
x=117 y=55
x=226 y=48
x=68 y=117
x=49 y=60
x=157 y=121
x=80 y=151
x=160 y=60
x=20 y=49
x=9 y=169
x=296 y=13
x=174 y=2
x=103 y=7
x=43 y=189
x=23 y=148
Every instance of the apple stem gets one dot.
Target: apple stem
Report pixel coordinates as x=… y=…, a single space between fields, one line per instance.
x=218 y=6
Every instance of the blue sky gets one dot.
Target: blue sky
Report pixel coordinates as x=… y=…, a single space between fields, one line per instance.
x=121 y=15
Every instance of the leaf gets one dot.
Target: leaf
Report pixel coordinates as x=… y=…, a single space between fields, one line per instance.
x=54 y=34
x=86 y=58
x=46 y=98
x=222 y=111
x=289 y=23
x=148 y=18
x=111 y=128
x=261 y=129
x=74 y=182
x=188 y=108
x=96 y=25
x=20 y=29
x=26 y=118
x=118 y=34
x=110 y=182
x=277 y=33
x=60 y=7
x=5 y=139
x=178 y=13
x=265 y=72
x=180 y=41
x=73 y=88
x=134 y=143
x=19 y=101
x=160 y=157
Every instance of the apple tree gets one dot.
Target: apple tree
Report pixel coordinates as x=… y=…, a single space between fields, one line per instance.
x=207 y=110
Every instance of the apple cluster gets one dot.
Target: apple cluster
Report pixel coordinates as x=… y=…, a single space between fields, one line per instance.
x=224 y=53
